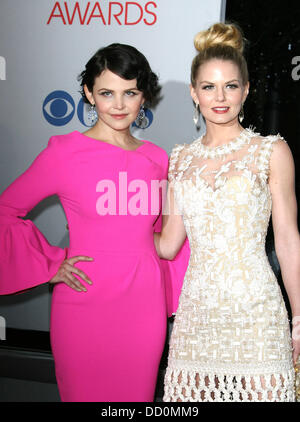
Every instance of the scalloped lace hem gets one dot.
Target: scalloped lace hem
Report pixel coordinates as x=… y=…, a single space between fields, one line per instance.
x=190 y=385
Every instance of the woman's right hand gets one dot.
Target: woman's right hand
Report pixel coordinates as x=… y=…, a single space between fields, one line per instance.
x=66 y=270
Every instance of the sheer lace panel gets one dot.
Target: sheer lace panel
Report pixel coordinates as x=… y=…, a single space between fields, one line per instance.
x=248 y=156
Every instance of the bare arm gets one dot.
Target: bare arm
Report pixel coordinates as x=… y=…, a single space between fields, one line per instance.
x=284 y=218
x=169 y=241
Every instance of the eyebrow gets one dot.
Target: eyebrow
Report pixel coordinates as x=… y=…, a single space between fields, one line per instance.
x=228 y=82
x=108 y=89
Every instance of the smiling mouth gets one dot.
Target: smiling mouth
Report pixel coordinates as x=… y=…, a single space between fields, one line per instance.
x=119 y=116
x=220 y=110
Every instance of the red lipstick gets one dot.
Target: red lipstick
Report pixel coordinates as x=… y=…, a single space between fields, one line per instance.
x=220 y=110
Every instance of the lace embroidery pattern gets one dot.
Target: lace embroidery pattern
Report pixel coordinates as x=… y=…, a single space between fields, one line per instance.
x=199 y=149
x=231 y=338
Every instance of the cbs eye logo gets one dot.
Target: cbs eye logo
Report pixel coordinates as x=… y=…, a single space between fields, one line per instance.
x=59 y=109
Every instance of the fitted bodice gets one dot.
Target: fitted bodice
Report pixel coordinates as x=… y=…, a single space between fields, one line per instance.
x=223 y=194
x=224 y=197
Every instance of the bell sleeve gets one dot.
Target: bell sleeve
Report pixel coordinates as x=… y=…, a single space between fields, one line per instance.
x=173 y=270
x=27 y=259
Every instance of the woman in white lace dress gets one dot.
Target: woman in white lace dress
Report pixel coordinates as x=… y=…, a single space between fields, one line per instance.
x=231 y=339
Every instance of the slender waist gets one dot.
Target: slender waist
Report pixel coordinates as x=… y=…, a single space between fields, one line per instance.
x=204 y=257
x=113 y=240
x=117 y=250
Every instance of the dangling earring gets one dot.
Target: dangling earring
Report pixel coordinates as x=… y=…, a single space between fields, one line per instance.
x=241 y=114
x=140 y=117
x=92 y=114
x=196 y=114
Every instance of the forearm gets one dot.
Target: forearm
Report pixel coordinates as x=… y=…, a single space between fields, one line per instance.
x=165 y=247
x=169 y=241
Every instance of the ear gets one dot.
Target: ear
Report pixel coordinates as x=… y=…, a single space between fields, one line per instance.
x=89 y=95
x=246 y=91
x=193 y=94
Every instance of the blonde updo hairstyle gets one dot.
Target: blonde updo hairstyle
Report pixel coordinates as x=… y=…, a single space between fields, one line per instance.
x=223 y=41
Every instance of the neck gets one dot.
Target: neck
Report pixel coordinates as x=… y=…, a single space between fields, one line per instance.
x=217 y=134
x=117 y=137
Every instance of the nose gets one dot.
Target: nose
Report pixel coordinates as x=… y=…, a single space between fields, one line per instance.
x=118 y=102
x=220 y=94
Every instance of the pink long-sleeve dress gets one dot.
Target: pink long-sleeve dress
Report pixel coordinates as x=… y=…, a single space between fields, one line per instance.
x=107 y=342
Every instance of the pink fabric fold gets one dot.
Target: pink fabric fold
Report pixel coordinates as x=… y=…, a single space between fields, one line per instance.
x=174 y=272
x=27 y=258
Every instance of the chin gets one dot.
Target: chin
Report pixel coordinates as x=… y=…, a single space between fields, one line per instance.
x=121 y=124
x=222 y=119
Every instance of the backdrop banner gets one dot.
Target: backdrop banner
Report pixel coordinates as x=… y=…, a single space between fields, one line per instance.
x=44 y=46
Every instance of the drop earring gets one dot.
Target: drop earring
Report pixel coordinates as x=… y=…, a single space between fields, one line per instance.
x=241 y=114
x=140 y=117
x=196 y=115
x=92 y=114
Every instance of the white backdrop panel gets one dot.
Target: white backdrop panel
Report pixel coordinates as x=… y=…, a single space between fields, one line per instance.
x=44 y=46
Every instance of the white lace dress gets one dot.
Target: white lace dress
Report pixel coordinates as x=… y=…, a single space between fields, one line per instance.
x=231 y=339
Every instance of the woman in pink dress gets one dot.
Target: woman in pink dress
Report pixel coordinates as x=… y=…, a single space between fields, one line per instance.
x=109 y=304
